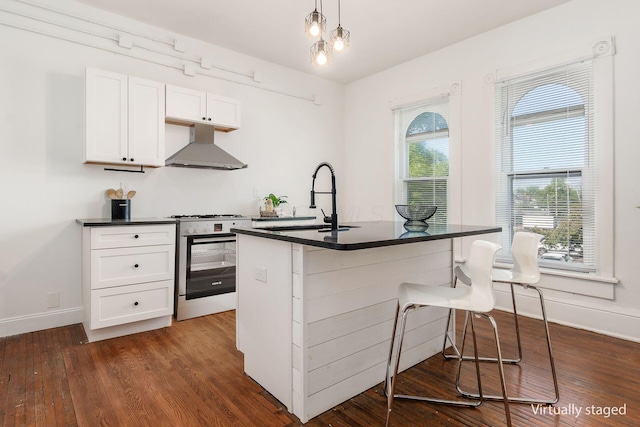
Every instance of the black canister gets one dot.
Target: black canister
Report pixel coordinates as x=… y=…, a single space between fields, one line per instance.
x=121 y=209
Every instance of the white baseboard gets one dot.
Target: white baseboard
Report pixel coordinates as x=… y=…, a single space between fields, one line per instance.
x=623 y=324
x=40 y=321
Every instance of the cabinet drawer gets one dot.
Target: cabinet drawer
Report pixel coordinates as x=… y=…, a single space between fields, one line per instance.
x=125 y=266
x=130 y=236
x=125 y=304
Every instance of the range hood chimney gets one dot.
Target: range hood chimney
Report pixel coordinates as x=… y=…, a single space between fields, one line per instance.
x=202 y=153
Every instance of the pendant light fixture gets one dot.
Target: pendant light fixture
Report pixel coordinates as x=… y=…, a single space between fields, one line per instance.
x=321 y=50
x=315 y=23
x=340 y=36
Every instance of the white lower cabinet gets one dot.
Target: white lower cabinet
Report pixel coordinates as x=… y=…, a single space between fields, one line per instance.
x=128 y=279
x=124 y=304
x=128 y=266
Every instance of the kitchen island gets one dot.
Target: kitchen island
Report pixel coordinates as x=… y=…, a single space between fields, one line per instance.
x=316 y=308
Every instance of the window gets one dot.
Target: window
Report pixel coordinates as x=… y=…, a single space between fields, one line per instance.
x=423 y=147
x=547 y=169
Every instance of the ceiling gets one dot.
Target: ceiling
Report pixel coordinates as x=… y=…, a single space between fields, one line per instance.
x=384 y=33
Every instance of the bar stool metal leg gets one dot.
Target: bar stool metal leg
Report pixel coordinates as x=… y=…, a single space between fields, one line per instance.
x=390 y=381
x=503 y=382
x=554 y=376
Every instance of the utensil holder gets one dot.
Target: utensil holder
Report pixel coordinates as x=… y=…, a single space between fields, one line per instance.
x=121 y=209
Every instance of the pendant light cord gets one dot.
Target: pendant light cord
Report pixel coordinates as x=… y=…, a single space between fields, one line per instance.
x=321 y=15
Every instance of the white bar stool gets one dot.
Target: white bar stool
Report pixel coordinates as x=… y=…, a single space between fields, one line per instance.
x=476 y=300
x=525 y=273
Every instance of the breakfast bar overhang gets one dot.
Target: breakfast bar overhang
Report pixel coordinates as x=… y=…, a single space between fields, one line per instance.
x=316 y=307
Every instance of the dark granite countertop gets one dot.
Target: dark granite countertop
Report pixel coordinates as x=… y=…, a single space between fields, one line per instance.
x=107 y=222
x=371 y=234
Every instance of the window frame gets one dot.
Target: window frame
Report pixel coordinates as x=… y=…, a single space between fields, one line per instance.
x=601 y=52
x=454 y=190
x=424 y=137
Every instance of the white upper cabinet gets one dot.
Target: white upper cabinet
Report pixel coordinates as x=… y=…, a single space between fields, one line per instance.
x=124 y=119
x=186 y=104
x=146 y=122
x=192 y=106
x=106 y=117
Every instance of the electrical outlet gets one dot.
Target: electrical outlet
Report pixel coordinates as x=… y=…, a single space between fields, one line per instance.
x=261 y=274
x=53 y=299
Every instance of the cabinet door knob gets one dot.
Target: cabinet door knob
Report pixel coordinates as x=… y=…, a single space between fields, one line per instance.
x=204 y=118
x=131 y=159
x=136 y=303
x=136 y=266
x=124 y=159
x=209 y=119
x=136 y=236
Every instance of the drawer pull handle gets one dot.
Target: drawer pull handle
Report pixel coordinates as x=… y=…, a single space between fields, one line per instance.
x=136 y=236
x=136 y=266
x=136 y=303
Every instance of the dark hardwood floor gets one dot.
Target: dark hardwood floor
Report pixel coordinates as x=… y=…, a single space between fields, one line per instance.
x=191 y=375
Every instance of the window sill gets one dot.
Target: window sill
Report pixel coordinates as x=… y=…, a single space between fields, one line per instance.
x=573 y=282
x=566 y=273
x=587 y=284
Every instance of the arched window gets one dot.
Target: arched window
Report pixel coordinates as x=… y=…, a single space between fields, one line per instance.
x=425 y=157
x=546 y=176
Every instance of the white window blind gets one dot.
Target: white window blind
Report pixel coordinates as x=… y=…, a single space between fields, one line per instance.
x=423 y=156
x=546 y=167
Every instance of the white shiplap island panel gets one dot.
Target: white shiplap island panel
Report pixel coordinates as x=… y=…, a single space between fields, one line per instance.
x=315 y=323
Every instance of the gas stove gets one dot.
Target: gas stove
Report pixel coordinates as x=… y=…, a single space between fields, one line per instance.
x=196 y=225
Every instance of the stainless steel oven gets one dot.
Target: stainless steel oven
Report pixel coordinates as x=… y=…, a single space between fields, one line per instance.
x=206 y=264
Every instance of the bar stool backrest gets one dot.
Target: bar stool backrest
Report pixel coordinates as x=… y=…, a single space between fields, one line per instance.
x=480 y=264
x=524 y=250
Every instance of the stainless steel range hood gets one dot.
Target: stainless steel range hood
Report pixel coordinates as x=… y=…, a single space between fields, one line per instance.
x=202 y=153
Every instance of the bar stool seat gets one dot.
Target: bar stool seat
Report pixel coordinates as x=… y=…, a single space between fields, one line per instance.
x=525 y=273
x=476 y=299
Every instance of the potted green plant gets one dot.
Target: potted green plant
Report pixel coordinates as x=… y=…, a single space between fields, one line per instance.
x=271 y=203
x=276 y=200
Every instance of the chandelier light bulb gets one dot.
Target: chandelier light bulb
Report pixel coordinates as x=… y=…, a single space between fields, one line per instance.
x=314 y=30
x=321 y=59
x=338 y=44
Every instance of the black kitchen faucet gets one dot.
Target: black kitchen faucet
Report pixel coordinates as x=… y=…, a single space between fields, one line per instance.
x=333 y=219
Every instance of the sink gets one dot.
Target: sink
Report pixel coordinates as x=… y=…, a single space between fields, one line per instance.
x=319 y=227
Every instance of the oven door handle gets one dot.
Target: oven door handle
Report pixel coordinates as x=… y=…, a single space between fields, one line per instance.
x=204 y=239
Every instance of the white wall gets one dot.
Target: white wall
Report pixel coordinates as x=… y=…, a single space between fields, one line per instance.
x=369 y=141
x=46 y=186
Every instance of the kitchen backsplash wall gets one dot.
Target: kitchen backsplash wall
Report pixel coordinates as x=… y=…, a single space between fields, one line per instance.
x=47 y=186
